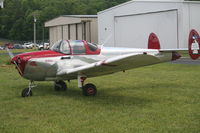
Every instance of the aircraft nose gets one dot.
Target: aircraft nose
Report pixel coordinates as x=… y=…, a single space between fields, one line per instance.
x=16 y=59
x=175 y=55
x=19 y=63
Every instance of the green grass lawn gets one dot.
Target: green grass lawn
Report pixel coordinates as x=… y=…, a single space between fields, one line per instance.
x=17 y=50
x=160 y=98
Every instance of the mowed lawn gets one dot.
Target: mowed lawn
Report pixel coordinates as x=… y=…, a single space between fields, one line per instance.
x=160 y=98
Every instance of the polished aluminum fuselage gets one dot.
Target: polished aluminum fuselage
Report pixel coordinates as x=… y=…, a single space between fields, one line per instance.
x=47 y=68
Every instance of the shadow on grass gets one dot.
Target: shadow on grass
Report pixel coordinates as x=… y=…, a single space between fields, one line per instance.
x=104 y=97
x=117 y=96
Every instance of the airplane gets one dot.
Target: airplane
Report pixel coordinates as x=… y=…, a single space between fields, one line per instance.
x=78 y=59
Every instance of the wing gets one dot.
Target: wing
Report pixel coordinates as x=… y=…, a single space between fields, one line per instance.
x=170 y=50
x=111 y=65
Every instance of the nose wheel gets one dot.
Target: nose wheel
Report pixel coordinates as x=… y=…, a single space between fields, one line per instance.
x=28 y=91
x=60 y=86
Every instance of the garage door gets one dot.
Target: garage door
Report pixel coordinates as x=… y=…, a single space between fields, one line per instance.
x=134 y=30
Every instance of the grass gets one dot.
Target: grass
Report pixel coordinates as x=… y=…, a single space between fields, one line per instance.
x=17 y=50
x=184 y=53
x=160 y=98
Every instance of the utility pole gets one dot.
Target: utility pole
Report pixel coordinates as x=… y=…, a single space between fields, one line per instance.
x=35 y=20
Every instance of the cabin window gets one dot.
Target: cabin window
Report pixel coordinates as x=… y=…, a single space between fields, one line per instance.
x=64 y=47
x=77 y=47
x=56 y=46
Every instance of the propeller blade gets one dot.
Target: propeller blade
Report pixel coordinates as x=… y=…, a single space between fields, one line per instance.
x=9 y=53
x=106 y=40
x=11 y=56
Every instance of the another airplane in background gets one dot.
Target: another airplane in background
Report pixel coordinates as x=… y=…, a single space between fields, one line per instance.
x=69 y=60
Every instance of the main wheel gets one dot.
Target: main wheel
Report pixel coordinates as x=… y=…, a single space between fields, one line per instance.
x=26 y=92
x=60 y=86
x=89 y=90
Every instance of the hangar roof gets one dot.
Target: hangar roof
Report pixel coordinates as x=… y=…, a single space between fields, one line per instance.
x=69 y=19
x=81 y=16
x=153 y=1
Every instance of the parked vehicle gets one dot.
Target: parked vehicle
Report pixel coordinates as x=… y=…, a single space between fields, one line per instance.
x=2 y=47
x=28 y=45
x=18 y=46
x=43 y=46
x=9 y=45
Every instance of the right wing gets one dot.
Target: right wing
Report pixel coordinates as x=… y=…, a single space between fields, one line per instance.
x=111 y=65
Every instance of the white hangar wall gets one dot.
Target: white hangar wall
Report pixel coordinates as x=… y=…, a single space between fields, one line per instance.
x=130 y=24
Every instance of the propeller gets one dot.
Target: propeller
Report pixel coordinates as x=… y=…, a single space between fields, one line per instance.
x=106 y=40
x=14 y=61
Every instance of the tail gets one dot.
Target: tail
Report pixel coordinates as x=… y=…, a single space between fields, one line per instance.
x=153 y=42
x=194 y=44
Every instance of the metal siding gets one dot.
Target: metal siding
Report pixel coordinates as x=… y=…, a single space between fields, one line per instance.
x=54 y=34
x=65 y=32
x=94 y=31
x=59 y=33
x=106 y=19
x=80 y=34
x=58 y=29
x=51 y=35
x=134 y=30
x=72 y=32
x=88 y=32
x=194 y=10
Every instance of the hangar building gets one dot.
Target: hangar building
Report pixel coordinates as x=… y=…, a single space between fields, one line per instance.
x=130 y=24
x=73 y=27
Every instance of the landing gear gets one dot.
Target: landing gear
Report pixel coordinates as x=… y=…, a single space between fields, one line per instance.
x=88 y=89
x=27 y=91
x=60 y=86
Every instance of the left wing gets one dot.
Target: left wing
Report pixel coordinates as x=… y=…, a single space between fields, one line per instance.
x=111 y=65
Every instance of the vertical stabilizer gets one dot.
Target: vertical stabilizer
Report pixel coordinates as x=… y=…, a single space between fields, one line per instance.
x=153 y=42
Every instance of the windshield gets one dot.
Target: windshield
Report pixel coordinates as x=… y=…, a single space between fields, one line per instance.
x=61 y=46
x=93 y=47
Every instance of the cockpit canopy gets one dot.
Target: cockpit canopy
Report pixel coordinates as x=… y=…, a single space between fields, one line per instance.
x=75 y=47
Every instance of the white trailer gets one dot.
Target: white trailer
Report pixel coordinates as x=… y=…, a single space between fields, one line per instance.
x=130 y=24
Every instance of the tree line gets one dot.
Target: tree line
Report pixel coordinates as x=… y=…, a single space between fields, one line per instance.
x=16 y=19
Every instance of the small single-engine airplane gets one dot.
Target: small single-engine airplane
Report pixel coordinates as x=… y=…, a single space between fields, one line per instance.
x=69 y=60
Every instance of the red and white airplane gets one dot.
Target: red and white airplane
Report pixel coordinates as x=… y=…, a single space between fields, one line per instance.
x=69 y=60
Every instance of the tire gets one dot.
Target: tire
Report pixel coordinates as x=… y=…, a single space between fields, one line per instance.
x=26 y=93
x=89 y=90
x=60 y=86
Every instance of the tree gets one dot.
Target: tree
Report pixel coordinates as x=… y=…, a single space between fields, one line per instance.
x=16 y=19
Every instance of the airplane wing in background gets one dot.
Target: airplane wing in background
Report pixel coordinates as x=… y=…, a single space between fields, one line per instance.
x=111 y=65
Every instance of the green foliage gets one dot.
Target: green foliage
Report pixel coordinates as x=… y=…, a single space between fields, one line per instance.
x=16 y=19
